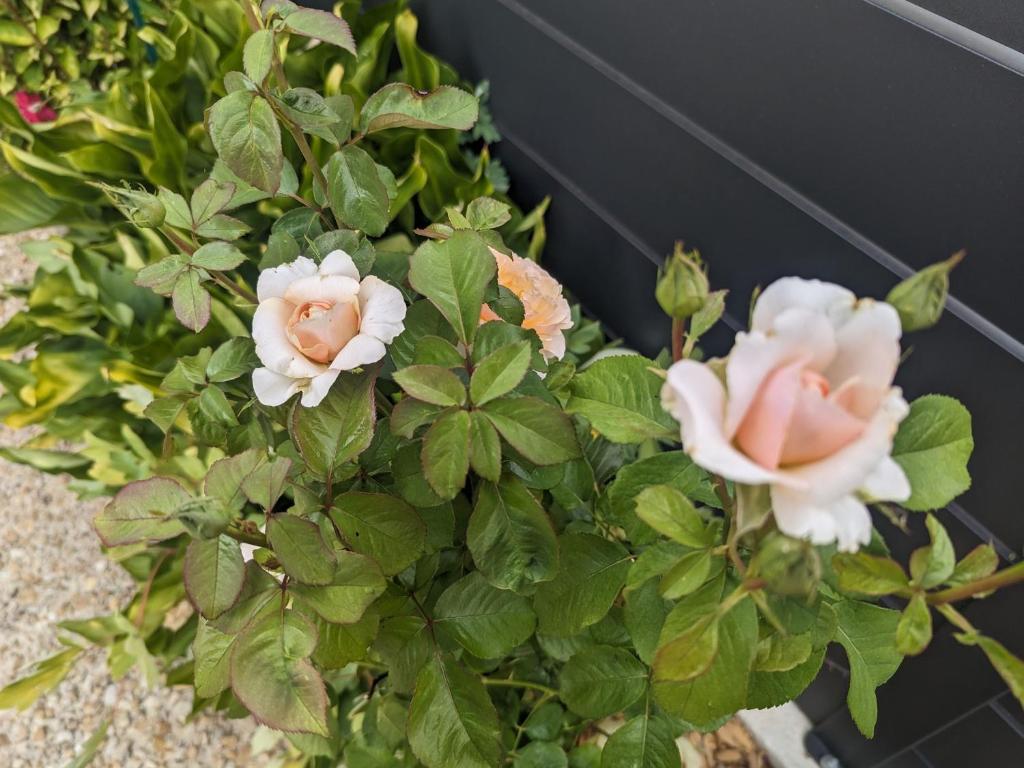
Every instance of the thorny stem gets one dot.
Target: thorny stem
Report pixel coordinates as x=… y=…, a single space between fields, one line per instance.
x=186 y=247
x=1003 y=578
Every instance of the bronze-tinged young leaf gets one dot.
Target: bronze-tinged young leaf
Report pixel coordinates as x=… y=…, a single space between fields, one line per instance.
x=338 y=429
x=869 y=574
x=914 y=631
x=452 y=721
x=484 y=448
x=245 y=133
x=591 y=572
x=162 y=276
x=398 y=105
x=338 y=645
x=321 y=25
x=510 y=536
x=670 y=513
x=454 y=274
x=300 y=549
x=261 y=594
x=601 y=680
x=432 y=384
x=191 y=301
x=538 y=430
x=210 y=198
x=225 y=480
x=357 y=582
x=217 y=256
x=620 y=398
x=212 y=652
x=381 y=527
x=214 y=573
x=272 y=678
x=486 y=621
x=445 y=454
x=500 y=372
x=265 y=484
x=142 y=511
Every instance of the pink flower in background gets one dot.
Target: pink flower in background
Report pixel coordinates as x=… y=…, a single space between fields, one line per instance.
x=33 y=109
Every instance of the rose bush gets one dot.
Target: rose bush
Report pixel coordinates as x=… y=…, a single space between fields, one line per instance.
x=418 y=516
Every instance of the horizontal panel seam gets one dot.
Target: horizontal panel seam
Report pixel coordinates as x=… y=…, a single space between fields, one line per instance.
x=872 y=250
x=956 y=34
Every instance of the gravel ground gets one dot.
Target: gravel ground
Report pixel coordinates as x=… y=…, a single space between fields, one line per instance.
x=51 y=569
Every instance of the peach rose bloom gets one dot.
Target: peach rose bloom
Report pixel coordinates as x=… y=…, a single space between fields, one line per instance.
x=313 y=322
x=807 y=407
x=545 y=309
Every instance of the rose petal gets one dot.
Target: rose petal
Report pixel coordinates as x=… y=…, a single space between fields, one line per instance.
x=382 y=308
x=330 y=289
x=273 y=388
x=696 y=398
x=318 y=388
x=818 y=428
x=765 y=426
x=867 y=352
x=274 y=282
x=829 y=299
x=845 y=520
x=797 y=333
x=887 y=482
x=269 y=331
x=339 y=263
x=362 y=350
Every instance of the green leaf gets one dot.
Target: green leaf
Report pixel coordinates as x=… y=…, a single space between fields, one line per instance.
x=687 y=575
x=46 y=675
x=591 y=572
x=432 y=384
x=85 y=755
x=914 y=631
x=357 y=583
x=340 y=428
x=539 y=431
x=541 y=754
x=162 y=276
x=932 y=446
x=212 y=651
x=338 y=645
x=454 y=274
x=510 y=536
x=300 y=549
x=934 y=564
x=484 y=448
x=545 y=722
x=217 y=256
x=191 y=301
x=214 y=573
x=782 y=652
x=245 y=133
x=232 y=359
x=210 y=198
x=452 y=722
x=601 y=680
x=773 y=689
x=722 y=689
x=260 y=594
x=868 y=634
x=272 y=678
x=690 y=653
x=321 y=25
x=356 y=192
x=643 y=741
x=142 y=511
x=980 y=562
x=381 y=527
x=398 y=105
x=445 y=454
x=620 y=398
x=644 y=615
x=1009 y=667
x=487 y=213
x=433 y=350
x=487 y=622
x=869 y=574
x=410 y=414
x=258 y=55
x=500 y=372
x=671 y=514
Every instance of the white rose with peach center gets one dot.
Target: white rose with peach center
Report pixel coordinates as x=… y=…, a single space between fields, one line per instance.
x=313 y=322
x=807 y=407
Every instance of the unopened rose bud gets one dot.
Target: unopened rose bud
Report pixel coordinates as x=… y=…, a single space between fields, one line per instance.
x=682 y=285
x=786 y=566
x=921 y=298
x=141 y=208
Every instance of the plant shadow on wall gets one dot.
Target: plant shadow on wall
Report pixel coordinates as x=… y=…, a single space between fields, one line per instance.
x=420 y=516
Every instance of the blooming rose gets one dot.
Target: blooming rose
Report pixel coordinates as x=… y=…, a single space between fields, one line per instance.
x=545 y=309
x=314 y=322
x=33 y=109
x=807 y=407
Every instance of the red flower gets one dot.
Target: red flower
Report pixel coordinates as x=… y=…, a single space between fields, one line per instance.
x=33 y=109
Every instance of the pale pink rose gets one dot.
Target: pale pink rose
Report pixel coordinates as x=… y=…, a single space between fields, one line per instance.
x=313 y=322
x=545 y=309
x=807 y=407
